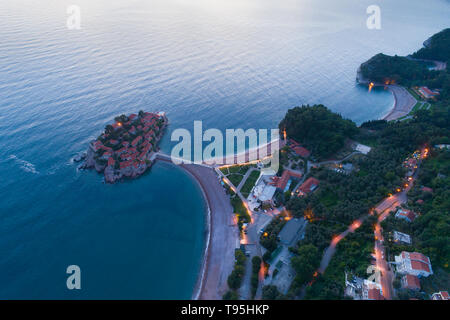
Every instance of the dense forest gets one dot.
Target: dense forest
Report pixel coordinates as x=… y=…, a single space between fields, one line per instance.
x=395 y=69
x=318 y=129
x=436 y=48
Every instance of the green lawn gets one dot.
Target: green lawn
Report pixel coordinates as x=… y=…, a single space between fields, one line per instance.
x=235 y=178
x=242 y=169
x=418 y=106
x=249 y=183
x=240 y=210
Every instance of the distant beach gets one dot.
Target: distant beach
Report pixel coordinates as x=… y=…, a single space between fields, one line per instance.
x=404 y=102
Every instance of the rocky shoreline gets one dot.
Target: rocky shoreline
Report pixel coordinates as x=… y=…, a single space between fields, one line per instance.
x=126 y=148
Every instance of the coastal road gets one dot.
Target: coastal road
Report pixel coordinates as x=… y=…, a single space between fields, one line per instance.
x=383 y=210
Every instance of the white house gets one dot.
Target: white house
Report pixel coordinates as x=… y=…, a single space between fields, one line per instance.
x=400 y=237
x=413 y=263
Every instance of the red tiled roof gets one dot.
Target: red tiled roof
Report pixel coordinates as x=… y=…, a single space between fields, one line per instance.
x=408 y=214
x=428 y=91
x=411 y=215
x=427 y=189
x=136 y=141
x=419 y=256
x=302 y=152
x=374 y=294
x=125 y=164
x=308 y=185
x=121 y=150
x=411 y=282
x=419 y=265
x=106 y=148
x=132 y=116
x=287 y=174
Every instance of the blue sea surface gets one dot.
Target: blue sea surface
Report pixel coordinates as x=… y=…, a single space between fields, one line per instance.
x=229 y=63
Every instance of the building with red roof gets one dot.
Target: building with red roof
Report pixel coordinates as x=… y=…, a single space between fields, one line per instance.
x=301 y=151
x=427 y=93
x=406 y=214
x=441 y=295
x=308 y=186
x=293 y=143
x=132 y=130
x=106 y=155
x=372 y=291
x=282 y=182
x=125 y=164
x=113 y=142
x=121 y=150
x=413 y=263
x=136 y=141
x=97 y=145
x=410 y=282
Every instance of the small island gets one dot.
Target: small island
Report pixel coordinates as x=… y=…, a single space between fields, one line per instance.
x=126 y=147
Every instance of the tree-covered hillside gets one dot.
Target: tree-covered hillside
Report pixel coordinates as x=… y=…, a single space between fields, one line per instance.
x=437 y=47
x=320 y=130
x=395 y=69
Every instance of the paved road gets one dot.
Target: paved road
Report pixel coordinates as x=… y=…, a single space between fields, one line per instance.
x=383 y=210
x=329 y=252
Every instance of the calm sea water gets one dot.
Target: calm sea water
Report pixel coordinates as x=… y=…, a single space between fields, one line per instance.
x=230 y=63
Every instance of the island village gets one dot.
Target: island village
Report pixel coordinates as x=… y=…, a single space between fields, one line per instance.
x=125 y=148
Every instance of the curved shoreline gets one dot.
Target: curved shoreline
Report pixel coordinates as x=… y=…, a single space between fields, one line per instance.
x=200 y=281
x=404 y=102
x=218 y=254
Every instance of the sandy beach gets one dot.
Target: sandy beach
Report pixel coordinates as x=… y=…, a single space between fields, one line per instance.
x=404 y=102
x=222 y=236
